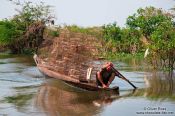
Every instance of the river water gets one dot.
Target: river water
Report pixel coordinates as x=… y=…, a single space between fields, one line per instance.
x=24 y=91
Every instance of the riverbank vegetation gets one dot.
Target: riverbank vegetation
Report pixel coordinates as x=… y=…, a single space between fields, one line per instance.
x=149 y=28
x=23 y=33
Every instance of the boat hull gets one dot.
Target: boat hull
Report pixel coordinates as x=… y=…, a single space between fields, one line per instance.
x=75 y=82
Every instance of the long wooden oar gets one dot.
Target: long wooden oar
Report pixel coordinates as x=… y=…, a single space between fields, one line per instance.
x=121 y=76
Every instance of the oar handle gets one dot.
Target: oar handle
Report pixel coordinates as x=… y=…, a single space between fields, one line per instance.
x=121 y=76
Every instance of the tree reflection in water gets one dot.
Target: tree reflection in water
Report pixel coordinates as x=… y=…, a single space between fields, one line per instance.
x=160 y=87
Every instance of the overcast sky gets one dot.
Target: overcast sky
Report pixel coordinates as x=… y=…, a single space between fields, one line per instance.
x=91 y=12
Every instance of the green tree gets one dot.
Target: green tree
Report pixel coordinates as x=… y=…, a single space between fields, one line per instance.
x=112 y=37
x=158 y=28
x=8 y=32
x=163 y=44
x=130 y=39
x=112 y=32
x=122 y=40
x=24 y=32
x=147 y=20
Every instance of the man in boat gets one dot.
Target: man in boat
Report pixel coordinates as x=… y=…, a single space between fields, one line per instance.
x=105 y=76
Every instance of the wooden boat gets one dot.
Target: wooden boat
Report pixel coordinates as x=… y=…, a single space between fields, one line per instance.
x=91 y=86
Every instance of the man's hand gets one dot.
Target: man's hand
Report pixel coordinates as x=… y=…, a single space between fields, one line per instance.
x=108 y=84
x=105 y=86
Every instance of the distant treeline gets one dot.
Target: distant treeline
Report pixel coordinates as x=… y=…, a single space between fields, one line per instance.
x=149 y=28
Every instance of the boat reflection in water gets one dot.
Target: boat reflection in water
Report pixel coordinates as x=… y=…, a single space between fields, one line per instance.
x=56 y=98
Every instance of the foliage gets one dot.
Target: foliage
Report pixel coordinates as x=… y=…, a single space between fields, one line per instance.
x=8 y=32
x=94 y=31
x=111 y=37
x=147 y=20
x=121 y=40
x=157 y=26
x=131 y=41
x=111 y=32
x=164 y=43
x=54 y=33
x=25 y=30
x=32 y=13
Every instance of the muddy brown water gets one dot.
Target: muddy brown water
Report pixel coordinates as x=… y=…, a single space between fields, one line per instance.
x=24 y=91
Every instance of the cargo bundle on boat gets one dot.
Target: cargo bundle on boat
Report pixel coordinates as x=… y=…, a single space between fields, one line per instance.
x=71 y=57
